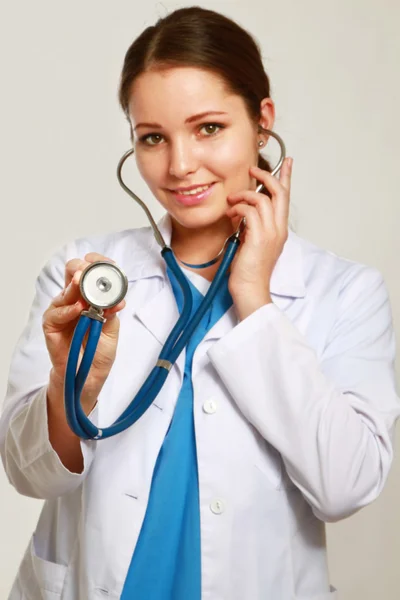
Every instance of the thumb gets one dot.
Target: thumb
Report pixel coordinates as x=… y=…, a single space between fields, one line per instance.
x=111 y=325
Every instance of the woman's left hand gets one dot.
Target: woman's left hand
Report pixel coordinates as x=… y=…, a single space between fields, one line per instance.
x=263 y=238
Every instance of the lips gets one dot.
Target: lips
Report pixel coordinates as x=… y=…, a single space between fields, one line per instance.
x=193 y=198
x=200 y=186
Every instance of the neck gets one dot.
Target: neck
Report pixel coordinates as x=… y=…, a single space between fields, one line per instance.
x=202 y=244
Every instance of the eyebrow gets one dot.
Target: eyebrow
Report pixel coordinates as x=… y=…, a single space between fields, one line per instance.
x=188 y=120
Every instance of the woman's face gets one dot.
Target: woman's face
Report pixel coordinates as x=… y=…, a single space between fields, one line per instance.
x=189 y=131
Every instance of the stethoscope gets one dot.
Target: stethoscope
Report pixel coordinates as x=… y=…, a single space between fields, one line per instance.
x=103 y=285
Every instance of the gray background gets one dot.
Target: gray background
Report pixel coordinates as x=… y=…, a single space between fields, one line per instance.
x=335 y=81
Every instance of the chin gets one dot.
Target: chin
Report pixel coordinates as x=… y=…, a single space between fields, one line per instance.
x=199 y=217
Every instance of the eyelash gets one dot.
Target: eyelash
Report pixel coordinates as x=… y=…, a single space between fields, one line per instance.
x=144 y=139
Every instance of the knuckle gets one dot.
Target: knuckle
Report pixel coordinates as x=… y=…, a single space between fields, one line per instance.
x=44 y=320
x=71 y=265
x=48 y=318
x=74 y=265
x=94 y=256
x=60 y=312
x=57 y=313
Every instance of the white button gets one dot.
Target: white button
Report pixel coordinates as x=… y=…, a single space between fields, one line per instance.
x=210 y=406
x=217 y=506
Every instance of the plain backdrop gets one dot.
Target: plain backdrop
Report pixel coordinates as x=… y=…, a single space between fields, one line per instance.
x=335 y=81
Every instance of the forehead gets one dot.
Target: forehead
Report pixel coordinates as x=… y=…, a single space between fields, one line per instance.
x=179 y=92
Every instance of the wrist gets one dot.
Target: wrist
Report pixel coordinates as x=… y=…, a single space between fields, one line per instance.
x=55 y=393
x=56 y=382
x=248 y=302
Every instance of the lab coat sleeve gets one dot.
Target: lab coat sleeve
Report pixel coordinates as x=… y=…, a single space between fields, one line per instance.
x=31 y=464
x=331 y=417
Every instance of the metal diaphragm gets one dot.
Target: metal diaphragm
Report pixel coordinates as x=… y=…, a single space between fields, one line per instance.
x=103 y=284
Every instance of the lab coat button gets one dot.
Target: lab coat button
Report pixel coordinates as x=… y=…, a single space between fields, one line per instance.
x=217 y=507
x=210 y=406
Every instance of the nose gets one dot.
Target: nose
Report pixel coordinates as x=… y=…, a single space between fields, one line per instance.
x=182 y=159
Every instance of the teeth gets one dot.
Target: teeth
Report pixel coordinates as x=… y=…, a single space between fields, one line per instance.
x=195 y=191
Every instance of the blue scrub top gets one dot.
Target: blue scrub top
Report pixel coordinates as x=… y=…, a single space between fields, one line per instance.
x=166 y=563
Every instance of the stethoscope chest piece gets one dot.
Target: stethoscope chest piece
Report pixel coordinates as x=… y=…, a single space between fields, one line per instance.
x=103 y=285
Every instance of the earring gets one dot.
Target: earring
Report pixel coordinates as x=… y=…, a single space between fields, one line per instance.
x=260 y=143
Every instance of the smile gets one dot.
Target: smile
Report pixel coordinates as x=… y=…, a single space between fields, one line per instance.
x=194 y=195
x=194 y=191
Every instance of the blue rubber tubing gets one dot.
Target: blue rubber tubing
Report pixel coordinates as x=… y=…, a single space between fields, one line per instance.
x=180 y=335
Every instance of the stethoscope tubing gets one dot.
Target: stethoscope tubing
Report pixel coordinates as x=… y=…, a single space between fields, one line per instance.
x=180 y=335
x=177 y=339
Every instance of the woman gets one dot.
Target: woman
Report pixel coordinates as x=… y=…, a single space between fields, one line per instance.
x=278 y=416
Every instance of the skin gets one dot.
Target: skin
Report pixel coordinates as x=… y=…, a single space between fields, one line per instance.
x=172 y=152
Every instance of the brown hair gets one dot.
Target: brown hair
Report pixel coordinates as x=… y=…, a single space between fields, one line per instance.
x=202 y=38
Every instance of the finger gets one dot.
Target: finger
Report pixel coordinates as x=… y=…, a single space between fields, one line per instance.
x=111 y=325
x=282 y=203
x=261 y=202
x=282 y=215
x=272 y=184
x=111 y=311
x=57 y=316
x=249 y=196
x=95 y=256
x=255 y=225
x=70 y=294
x=73 y=265
x=285 y=174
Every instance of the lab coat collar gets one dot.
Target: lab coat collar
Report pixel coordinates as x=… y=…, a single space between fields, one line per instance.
x=287 y=277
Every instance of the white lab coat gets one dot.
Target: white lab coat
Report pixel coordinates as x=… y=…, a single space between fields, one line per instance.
x=294 y=411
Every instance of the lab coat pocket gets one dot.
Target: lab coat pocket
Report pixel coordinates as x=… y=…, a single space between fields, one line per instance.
x=49 y=576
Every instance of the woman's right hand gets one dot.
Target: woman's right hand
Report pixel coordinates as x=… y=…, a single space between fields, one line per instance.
x=59 y=322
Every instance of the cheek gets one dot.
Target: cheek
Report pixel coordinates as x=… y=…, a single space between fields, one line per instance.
x=233 y=162
x=151 y=171
x=148 y=168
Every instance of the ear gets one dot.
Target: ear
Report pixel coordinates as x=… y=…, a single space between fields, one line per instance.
x=267 y=114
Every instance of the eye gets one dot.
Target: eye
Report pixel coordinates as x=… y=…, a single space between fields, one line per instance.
x=151 y=139
x=211 y=128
